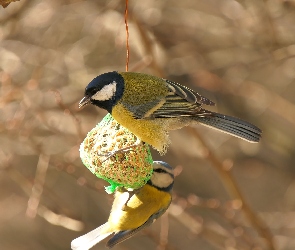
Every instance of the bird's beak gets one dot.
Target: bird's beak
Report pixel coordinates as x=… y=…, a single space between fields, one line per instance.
x=85 y=100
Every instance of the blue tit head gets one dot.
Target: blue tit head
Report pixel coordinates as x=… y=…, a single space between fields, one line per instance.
x=104 y=91
x=162 y=177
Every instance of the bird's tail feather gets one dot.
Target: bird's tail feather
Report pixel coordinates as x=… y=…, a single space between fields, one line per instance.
x=231 y=125
x=90 y=239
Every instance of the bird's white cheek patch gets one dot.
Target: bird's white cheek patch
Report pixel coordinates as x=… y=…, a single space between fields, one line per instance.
x=161 y=180
x=106 y=93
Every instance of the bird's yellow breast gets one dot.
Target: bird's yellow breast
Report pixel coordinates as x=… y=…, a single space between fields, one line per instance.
x=140 y=207
x=153 y=132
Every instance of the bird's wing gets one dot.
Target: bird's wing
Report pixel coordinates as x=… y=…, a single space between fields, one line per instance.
x=90 y=239
x=144 y=110
x=180 y=101
x=124 y=235
x=188 y=94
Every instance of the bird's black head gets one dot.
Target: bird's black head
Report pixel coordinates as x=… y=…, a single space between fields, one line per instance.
x=104 y=91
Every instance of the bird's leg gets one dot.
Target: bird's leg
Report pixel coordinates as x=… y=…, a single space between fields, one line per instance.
x=122 y=150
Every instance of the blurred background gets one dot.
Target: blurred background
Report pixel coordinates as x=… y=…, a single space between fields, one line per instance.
x=228 y=194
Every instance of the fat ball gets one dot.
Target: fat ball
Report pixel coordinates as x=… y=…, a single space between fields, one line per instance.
x=126 y=168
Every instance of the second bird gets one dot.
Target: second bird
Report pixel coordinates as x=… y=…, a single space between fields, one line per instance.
x=133 y=211
x=150 y=106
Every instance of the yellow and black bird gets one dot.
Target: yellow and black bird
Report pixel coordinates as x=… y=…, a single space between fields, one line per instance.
x=133 y=211
x=149 y=107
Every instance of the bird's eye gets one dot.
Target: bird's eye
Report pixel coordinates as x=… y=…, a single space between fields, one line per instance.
x=159 y=170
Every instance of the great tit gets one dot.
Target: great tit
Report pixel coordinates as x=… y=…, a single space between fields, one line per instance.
x=133 y=211
x=149 y=107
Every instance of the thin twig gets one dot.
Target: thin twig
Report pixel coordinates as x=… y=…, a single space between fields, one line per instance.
x=164 y=232
x=42 y=210
x=147 y=43
x=155 y=238
x=37 y=188
x=222 y=209
x=271 y=26
x=21 y=7
x=234 y=190
x=212 y=235
x=60 y=103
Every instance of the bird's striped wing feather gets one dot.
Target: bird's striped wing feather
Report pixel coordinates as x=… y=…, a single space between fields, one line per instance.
x=188 y=94
x=181 y=101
